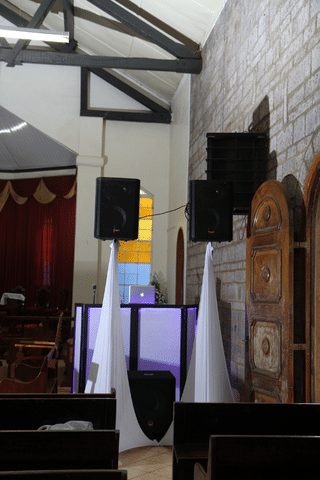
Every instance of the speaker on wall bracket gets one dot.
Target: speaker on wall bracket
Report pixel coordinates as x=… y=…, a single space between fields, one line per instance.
x=117 y=208
x=153 y=393
x=210 y=211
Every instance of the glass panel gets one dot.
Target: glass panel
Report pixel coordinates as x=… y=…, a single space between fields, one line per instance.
x=145 y=235
x=136 y=254
x=145 y=257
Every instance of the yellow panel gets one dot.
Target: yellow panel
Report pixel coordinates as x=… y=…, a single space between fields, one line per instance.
x=132 y=246
x=144 y=246
x=146 y=201
x=121 y=256
x=144 y=257
x=122 y=246
x=145 y=225
x=132 y=257
x=145 y=235
x=145 y=212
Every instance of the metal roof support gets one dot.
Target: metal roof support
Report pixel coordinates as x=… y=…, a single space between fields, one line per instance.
x=182 y=65
x=35 y=22
x=143 y=28
x=157 y=113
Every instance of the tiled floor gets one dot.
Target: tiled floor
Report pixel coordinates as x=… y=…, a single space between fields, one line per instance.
x=147 y=463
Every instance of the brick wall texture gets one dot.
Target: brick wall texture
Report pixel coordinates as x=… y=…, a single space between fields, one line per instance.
x=261 y=71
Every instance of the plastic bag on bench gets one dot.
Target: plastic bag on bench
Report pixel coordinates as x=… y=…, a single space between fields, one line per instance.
x=71 y=425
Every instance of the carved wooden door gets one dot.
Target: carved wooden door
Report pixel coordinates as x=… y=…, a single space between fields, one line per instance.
x=269 y=293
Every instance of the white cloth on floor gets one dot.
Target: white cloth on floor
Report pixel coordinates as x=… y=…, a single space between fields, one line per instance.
x=208 y=379
x=108 y=367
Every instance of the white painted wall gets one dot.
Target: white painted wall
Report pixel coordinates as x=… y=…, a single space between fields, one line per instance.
x=141 y=150
x=48 y=98
x=178 y=177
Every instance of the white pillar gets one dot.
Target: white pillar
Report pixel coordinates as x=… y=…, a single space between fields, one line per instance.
x=90 y=163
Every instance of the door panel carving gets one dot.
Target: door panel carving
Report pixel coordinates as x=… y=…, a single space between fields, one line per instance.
x=270 y=294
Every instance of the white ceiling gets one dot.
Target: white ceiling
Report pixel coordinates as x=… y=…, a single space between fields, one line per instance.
x=98 y=33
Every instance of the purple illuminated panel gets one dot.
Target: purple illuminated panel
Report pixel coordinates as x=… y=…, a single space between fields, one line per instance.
x=94 y=314
x=191 y=332
x=160 y=341
x=77 y=348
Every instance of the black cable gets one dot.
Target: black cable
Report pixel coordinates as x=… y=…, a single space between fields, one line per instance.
x=163 y=213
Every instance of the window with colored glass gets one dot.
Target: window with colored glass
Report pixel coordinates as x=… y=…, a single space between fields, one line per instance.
x=134 y=257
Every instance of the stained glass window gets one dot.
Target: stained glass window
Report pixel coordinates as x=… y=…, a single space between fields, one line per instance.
x=134 y=257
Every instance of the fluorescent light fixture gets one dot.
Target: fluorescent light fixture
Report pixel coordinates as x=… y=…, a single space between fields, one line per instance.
x=34 y=34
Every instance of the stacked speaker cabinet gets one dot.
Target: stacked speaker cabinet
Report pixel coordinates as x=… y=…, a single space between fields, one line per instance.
x=153 y=394
x=210 y=211
x=117 y=208
x=239 y=158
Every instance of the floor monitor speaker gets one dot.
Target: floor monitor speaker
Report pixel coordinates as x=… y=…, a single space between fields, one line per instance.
x=153 y=393
x=117 y=208
x=210 y=211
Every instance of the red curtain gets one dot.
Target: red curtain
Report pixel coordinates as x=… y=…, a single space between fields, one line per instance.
x=37 y=240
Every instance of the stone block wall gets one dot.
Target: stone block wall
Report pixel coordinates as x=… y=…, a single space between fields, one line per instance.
x=261 y=72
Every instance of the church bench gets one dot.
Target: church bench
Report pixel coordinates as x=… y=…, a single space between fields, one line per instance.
x=66 y=475
x=248 y=457
x=194 y=423
x=31 y=411
x=58 y=449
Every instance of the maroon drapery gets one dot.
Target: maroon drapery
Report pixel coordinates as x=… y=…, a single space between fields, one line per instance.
x=37 y=240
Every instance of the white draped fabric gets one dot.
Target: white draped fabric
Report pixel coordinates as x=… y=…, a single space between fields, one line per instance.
x=208 y=379
x=108 y=368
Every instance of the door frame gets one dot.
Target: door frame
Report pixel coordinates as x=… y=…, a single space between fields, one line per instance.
x=312 y=244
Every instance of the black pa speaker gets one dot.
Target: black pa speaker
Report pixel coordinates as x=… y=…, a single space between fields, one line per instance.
x=210 y=211
x=153 y=394
x=117 y=208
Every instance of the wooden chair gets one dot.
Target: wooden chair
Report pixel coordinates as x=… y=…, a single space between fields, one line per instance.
x=63 y=305
x=32 y=353
x=41 y=380
x=66 y=475
x=42 y=302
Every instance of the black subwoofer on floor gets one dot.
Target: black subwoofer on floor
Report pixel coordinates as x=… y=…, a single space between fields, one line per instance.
x=117 y=208
x=153 y=393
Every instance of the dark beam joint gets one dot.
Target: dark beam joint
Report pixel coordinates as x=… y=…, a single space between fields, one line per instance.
x=187 y=65
x=128 y=90
x=68 y=12
x=125 y=116
x=158 y=114
x=35 y=22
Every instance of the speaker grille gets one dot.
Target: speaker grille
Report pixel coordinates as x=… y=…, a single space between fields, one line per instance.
x=153 y=394
x=239 y=158
x=210 y=211
x=117 y=208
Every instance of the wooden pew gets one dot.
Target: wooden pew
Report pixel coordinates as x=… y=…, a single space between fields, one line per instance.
x=31 y=411
x=193 y=423
x=248 y=457
x=58 y=449
x=66 y=475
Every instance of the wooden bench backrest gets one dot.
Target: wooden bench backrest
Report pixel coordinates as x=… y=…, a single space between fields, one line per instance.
x=59 y=450
x=30 y=413
x=195 y=422
x=66 y=475
x=264 y=457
